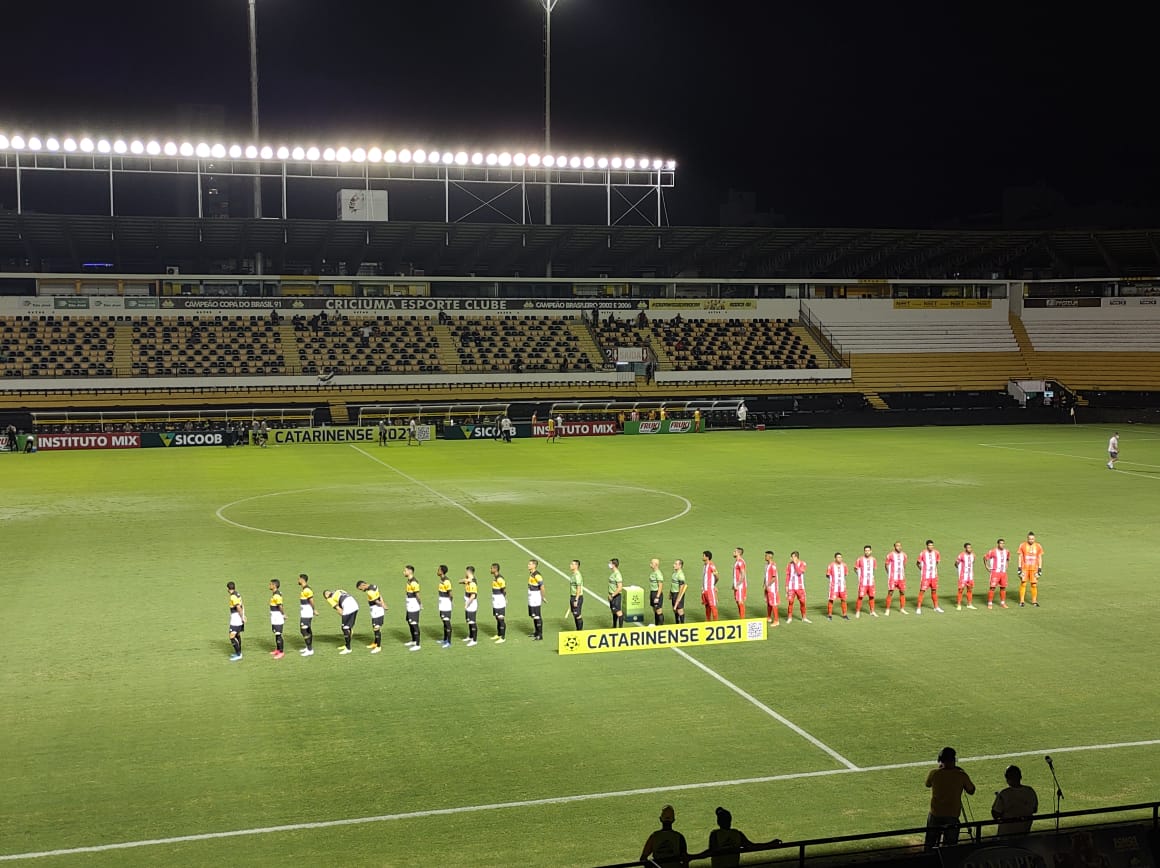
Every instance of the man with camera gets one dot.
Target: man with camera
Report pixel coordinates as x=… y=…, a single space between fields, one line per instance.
x=947 y=783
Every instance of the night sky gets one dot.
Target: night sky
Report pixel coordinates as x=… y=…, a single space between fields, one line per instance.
x=861 y=114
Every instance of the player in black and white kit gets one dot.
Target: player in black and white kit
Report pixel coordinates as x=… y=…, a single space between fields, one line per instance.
x=1113 y=450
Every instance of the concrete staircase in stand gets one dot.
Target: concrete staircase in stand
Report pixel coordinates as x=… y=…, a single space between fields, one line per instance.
x=448 y=352
x=290 y=349
x=339 y=413
x=123 y=349
x=875 y=401
x=587 y=341
x=1026 y=348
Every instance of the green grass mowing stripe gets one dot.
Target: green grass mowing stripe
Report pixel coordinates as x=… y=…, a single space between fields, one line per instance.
x=557 y=800
x=711 y=672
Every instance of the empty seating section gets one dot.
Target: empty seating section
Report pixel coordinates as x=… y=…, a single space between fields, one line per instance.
x=1097 y=354
x=509 y=343
x=369 y=346
x=620 y=333
x=925 y=337
x=733 y=345
x=212 y=347
x=1107 y=336
x=54 y=346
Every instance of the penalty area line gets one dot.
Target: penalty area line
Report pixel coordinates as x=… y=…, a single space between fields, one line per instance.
x=555 y=800
x=748 y=697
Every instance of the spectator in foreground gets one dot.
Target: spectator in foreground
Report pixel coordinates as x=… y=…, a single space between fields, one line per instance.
x=666 y=846
x=726 y=838
x=947 y=783
x=1015 y=805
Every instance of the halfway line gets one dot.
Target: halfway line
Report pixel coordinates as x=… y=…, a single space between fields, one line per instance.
x=753 y=700
x=531 y=803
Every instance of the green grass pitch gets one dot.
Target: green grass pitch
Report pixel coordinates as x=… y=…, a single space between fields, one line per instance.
x=123 y=720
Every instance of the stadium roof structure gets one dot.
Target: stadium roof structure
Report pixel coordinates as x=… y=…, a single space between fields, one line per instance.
x=62 y=243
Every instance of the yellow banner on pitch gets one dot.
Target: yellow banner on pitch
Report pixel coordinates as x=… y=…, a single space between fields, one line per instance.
x=942 y=304
x=674 y=636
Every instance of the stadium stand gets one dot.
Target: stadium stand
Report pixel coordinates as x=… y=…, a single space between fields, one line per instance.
x=369 y=346
x=211 y=347
x=56 y=346
x=734 y=345
x=510 y=343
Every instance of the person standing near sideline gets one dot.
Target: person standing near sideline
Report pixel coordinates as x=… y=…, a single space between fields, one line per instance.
x=742 y=414
x=551 y=429
x=444 y=590
x=1014 y=805
x=576 y=593
x=237 y=621
x=413 y=605
x=965 y=564
x=740 y=579
x=413 y=433
x=996 y=562
x=678 y=587
x=499 y=604
x=1113 y=450
x=559 y=427
x=946 y=783
x=382 y=432
x=378 y=613
x=866 y=566
x=656 y=591
x=836 y=572
x=347 y=607
x=928 y=560
x=536 y=600
x=277 y=618
x=771 y=599
x=306 y=612
x=1030 y=569
x=470 y=604
x=795 y=587
x=666 y=846
x=896 y=577
x=615 y=593
x=709 y=579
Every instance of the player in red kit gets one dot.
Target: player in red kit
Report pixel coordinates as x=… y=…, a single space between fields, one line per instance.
x=740 y=580
x=709 y=586
x=965 y=564
x=795 y=586
x=896 y=577
x=928 y=560
x=836 y=573
x=996 y=562
x=866 y=566
x=771 y=600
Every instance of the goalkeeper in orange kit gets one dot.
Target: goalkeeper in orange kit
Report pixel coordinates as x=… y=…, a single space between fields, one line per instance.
x=1030 y=569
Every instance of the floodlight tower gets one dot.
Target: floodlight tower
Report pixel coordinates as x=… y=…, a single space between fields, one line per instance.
x=548 y=5
x=254 y=119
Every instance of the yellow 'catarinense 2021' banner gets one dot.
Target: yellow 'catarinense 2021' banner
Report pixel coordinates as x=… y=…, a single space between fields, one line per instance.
x=668 y=636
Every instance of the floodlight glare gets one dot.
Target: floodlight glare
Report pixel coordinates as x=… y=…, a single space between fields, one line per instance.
x=283 y=153
x=448 y=158
x=235 y=152
x=18 y=143
x=491 y=159
x=119 y=147
x=251 y=152
x=520 y=159
x=312 y=154
x=589 y=162
x=359 y=155
x=574 y=162
x=342 y=154
x=630 y=163
x=375 y=155
x=505 y=159
x=433 y=157
x=658 y=164
x=186 y=149
x=52 y=144
x=420 y=155
x=202 y=150
x=136 y=146
x=533 y=160
x=266 y=153
x=671 y=165
x=170 y=148
x=218 y=151
x=298 y=153
x=549 y=160
x=390 y=155
x=328 y=154
x=34 y=144
x=404 y=156
x=602 y=163
x=104 y=146
x=3 y=142
x=461 y=158
x=69 y=144
x=87 y=145
x=477 y=159
x=616 y=162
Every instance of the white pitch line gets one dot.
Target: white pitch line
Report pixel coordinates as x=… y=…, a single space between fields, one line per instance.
x=1067 y=455
x=753 y=700
x=554 y=800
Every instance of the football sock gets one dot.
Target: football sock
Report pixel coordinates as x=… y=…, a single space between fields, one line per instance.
x=378 y=636
x=278 y=641
x=970 y=594
x=502 y=625
x=959 y=598
x=1002 y=595
x=934 y=598
x=473 y=631
x=446 y=629
x=236 y=641
x=990 y=596
x=901 y=602
x=871 y=604
x=1022 y=591
x=579 y=623
x=844 y=610
x=537 y=626
x=346 y=638
x=1034 y=593
x=830 y=609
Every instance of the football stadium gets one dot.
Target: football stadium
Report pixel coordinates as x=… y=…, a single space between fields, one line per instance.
x=452 y=534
